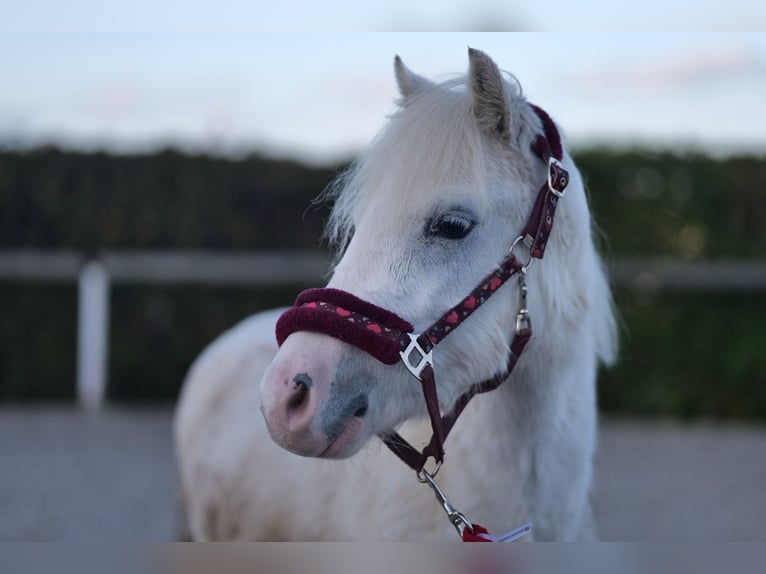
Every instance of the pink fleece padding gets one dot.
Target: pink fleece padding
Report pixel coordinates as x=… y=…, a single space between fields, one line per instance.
x=385 y=349
x=354 y=303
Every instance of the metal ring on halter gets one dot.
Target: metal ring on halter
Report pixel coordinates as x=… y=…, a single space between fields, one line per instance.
x=531 y=259
x=432 y=474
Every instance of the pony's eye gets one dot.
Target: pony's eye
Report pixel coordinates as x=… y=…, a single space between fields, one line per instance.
x=450 y=227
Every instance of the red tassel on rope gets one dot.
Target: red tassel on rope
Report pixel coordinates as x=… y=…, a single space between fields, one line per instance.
x=474 y=536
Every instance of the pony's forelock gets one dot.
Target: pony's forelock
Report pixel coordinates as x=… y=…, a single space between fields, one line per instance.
x=430 y=142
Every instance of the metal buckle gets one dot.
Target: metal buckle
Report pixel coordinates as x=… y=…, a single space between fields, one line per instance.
x=424 y=359
x=523 y=320
x=553 y=162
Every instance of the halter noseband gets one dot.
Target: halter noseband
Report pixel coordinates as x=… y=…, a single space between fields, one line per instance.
x=391 y=339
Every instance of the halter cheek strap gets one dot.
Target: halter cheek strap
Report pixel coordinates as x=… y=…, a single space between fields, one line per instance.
x=389 y=338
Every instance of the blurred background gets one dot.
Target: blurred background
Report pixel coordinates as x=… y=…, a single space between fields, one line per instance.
x=155 y=189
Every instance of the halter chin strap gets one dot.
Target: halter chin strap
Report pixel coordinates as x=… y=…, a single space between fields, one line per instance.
x=390 y=339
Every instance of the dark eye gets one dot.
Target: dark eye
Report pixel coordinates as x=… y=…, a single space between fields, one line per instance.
x=450 y=226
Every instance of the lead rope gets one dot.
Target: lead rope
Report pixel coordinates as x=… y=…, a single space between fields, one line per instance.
x=467 y=530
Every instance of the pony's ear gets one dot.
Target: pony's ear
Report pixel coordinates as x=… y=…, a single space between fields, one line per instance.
x=491 y=105
x=408 y=81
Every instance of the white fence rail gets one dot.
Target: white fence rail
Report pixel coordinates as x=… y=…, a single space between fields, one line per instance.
x=94 y=276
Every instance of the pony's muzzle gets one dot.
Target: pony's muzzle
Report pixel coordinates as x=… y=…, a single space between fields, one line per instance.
x=296 y=394
x=289 y=405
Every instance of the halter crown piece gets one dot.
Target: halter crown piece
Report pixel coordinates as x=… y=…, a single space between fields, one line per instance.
x=390 y=339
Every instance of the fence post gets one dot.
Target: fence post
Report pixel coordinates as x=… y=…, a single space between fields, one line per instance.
x=92 y=335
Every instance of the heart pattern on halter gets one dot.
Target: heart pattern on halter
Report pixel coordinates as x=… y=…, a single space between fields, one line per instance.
x=353 y=317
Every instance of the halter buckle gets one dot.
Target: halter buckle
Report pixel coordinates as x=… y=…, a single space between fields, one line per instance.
x=558 y=178
x=423 y=359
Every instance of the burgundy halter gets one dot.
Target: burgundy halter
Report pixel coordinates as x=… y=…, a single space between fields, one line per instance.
x=390 y=339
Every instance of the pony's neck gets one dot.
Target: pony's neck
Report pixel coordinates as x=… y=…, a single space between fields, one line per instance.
x=521 y=444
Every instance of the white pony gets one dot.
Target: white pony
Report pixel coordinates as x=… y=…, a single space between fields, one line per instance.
x=424 y=214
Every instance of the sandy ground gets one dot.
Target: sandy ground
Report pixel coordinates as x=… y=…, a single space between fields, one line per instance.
x=69 y=476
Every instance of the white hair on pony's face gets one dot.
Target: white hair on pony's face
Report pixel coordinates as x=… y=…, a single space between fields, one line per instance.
x=433 y=149
x=432 y=142
x=435 y=153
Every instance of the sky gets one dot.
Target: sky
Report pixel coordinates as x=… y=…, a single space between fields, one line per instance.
x=318 y=97
x=237 y=16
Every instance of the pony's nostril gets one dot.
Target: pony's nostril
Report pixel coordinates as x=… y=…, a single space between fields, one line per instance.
x=362 y=408
x=300 y=396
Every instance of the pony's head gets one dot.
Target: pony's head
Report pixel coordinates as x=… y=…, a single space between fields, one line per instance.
x=422 y=216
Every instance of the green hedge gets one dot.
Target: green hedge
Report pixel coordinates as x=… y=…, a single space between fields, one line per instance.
x=647 y=203
x=681 y=355
x=690 y=355
x=38 y=341
x=55 y=199
x=158 y=331
x=688 y=206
